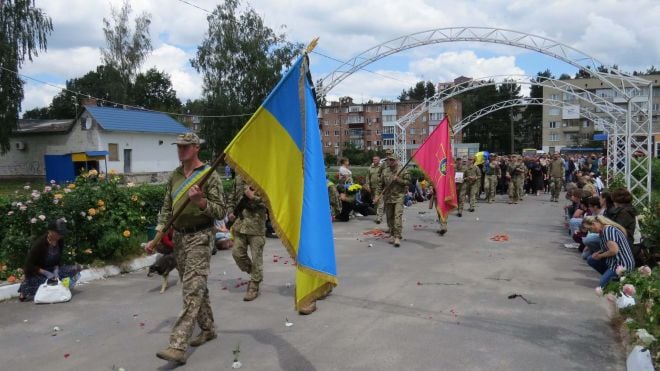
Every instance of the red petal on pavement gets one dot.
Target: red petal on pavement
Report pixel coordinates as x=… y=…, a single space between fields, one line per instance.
x=275 y=260
x=224 y=288
x=66 y=355
x=286 y=262
x=237 y=286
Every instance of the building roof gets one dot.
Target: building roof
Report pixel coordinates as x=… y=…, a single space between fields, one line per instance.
x=130 y=120
x=29 y=126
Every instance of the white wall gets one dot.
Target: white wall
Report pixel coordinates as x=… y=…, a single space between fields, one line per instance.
x=30 y=161
x=147 y=154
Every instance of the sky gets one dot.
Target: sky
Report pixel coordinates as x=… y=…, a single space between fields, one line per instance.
x=611 y=31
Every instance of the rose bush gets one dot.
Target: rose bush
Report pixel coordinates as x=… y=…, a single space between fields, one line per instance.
x=644 y=285
x=107 y=221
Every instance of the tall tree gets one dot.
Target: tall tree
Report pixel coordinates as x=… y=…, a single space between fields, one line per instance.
x=241 y=60
x=531 y=129
x=153 y=90
x=23 y=32
x=429 y=90
x=126 y=49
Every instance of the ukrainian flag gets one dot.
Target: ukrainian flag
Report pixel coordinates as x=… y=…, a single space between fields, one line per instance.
x=279 y=151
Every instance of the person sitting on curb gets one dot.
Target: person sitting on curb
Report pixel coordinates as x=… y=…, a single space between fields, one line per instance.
x=44 y=261
x=614 y=248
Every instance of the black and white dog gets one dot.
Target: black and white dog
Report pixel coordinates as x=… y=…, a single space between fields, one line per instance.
x=163 y=266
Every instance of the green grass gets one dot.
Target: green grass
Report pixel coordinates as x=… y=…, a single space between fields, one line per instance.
x=8 y=186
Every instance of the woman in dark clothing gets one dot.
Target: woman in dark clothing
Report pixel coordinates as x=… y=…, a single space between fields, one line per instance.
x=536 y=171
x=43 y=262
x=624 y=212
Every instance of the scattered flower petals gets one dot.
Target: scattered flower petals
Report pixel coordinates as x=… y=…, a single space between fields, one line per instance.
x=56 y=328
x=236 y=364
x=287 y=323
x=66 y=355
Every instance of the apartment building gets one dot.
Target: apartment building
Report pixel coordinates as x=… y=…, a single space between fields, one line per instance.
x=370 y=126
x=565 y=127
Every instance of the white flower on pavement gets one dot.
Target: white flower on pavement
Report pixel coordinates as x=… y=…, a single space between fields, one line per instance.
x=42 y=217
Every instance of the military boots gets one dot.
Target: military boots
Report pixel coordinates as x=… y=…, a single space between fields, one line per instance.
x=252 y=291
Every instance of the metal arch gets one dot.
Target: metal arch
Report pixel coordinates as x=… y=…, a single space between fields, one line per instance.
x=616 y=113
x=635 y=132
x=614 y=78
x=458 y=127
x=613 y=139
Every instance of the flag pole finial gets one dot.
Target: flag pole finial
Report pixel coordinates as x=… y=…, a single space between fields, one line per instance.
x=312 y=45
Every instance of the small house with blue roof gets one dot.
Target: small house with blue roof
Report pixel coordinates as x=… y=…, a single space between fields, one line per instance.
x=125 y=141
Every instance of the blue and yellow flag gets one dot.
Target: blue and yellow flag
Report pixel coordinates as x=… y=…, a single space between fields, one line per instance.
x=279 y=152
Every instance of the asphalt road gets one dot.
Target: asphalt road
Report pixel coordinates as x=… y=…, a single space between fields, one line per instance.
x=435 y=303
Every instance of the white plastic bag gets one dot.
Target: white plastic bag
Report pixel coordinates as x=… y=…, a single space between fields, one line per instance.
x=51 y=294
x=639 y=360
x=624 y=301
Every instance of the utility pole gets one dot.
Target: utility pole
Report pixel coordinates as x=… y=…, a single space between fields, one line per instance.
x=511 y=118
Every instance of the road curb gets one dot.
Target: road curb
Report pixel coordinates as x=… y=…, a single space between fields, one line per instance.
x=91 y=274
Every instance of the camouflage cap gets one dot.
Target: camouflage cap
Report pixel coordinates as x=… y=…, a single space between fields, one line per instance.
x=389 y=155
x=188 y=138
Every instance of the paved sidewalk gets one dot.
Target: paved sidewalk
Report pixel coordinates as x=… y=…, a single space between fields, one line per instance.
x=435 y=303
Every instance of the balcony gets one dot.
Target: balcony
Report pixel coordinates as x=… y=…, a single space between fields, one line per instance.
x=355 y=119
x=571 y=129
x=355 y=134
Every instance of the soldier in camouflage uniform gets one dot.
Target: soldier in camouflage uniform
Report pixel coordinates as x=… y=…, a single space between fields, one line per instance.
x=556 y=170
x=395 y=187
x=461 y=166
x=193 y=236
x=333 y=195
x=373 y=185
x=472 y=176
x=516 y=172
x=492 y=173
x=249 y=229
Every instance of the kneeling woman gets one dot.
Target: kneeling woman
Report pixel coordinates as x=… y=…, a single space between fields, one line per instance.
x=43 y=262
x=614 y=248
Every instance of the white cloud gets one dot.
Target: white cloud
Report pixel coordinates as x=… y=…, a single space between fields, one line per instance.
x=37 y=95
x=615 y=32
x=68 y=63
x=448 y=66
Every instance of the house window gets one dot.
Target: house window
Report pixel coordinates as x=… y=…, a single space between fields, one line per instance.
x=388 y=142
x=554 y=111
x=377 y=131
x=336 y=133
x=86 y=124
x=412 y=130
x=436 y=116
x=328 y=144
x=554 y=137
x=346 y=132
x=423 y=130
x=552 y=124
x=327 y=133
x=113 y=148
x=378 y=143
x=585 y=124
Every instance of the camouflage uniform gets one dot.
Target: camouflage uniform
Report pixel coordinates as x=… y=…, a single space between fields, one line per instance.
x=556 y=178
x=471 y=186
x=374 y=184
x=249 y=229
x=393 y=198
x=460 y=189
x=335 y=202
x=517 y=172
x=193 y=238
x=492 y=175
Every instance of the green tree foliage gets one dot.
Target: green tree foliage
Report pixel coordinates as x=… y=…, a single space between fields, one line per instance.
x=126 y=49
x=153 y=90
x=23 y=32
x=241 y=60
x=419 y=92
x=531 y=128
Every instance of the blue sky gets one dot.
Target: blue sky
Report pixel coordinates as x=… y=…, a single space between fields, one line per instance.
x=613 y=31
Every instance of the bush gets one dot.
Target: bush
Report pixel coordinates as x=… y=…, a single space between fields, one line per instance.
x=107 y=221
x=649 y=224
x=646 y=313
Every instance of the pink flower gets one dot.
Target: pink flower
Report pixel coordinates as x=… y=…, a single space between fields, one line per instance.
x=620 y=270
x=629 y=290
x=599 y=291
x=645 y=271
x=33 y=220
x=42 y=217
x=22 y=208
x=48 y=188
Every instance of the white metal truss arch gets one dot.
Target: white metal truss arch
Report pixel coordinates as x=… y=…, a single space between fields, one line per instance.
x=616 y=113
x=635 y=131
x=459 y=126
x=615 y=79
